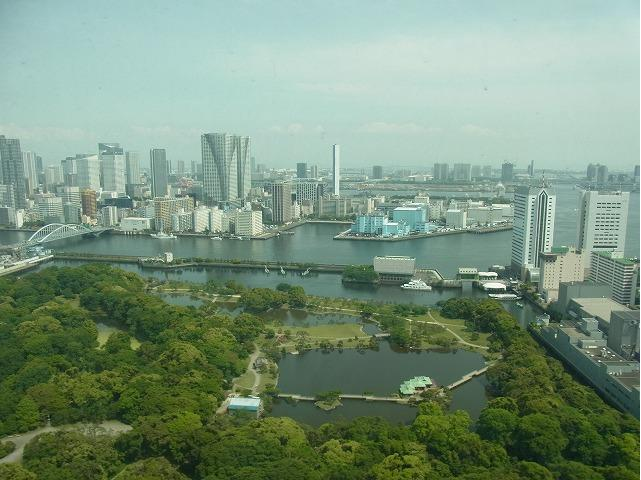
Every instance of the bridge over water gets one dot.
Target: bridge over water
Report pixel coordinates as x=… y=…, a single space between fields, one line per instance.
x=59 y=231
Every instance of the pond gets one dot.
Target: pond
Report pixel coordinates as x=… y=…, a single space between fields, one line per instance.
x=380 y=372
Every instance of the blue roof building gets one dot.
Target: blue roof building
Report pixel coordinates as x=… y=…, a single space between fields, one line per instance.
x=246 y=404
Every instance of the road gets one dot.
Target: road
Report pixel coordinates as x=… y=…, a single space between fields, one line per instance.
x=109 y=427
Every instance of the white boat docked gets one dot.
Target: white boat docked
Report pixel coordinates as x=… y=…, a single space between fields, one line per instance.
x=282 y=271
x=216 y=238
x=266 y=270
x=306 y=272
x=416 y=284
x=163 y=236
x=504 y=296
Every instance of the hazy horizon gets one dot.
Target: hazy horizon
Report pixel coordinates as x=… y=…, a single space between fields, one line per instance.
x=395 y=84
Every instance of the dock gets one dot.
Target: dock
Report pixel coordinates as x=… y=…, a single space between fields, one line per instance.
x=466 y=378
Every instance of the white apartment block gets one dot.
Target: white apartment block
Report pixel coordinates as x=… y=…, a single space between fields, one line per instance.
x=622 y=274
x=249 y=223
x=336 y=170
x=603 y=220
x=113 y=173
x=215 y=220
x=201 y=219
x=182 y=221
x=561 y=264
x=135 y=224
x=164 y=207
x=533 y=230
x=109 y=216
x=455 y=219
x=49 y=208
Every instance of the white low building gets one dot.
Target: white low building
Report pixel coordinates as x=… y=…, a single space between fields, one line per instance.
x=249 y=223
x=456 y=219
x=136 y=224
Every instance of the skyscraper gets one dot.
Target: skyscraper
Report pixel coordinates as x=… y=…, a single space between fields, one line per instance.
x=226 y=167
x=530 y=169
x=132 y=162
x=159 y=172
x=441 y=172
x=301 y=170
x=591 y=171
x=533 y=230
x=88 y=201
x=507 y=172
x=88 y=172
x=603 y=221
x=12 y=169
x=112 y=162
x=602 y=174
x=462 y=172
x=336 y=170
x=313 y=171
x=377 y=172
x=281 y=193
x=30 y=172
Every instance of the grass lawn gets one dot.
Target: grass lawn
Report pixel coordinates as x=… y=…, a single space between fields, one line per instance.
x=329 y=331
x=246 y=380
x=105 y=330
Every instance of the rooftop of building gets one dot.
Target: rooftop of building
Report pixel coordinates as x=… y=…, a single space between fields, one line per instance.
x=599 y=307
x=244 y=402
x=408 y=209
x=618 y=258
x=599 y=354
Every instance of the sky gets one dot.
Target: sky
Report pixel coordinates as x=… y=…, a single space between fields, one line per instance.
x=395 y=83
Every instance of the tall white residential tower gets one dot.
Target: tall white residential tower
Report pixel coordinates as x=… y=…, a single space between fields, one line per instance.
x=603 y=221
x=533 y=230
x=112 y=161
x=336 y=170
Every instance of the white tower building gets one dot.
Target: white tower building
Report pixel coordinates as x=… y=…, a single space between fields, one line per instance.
x=533 y=230
x=336 y=170
x=603 y=221
x=112 y=161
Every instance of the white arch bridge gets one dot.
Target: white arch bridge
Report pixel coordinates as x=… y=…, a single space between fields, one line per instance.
x=60 y=231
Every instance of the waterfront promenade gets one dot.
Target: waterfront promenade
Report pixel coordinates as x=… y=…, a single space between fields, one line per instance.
x=347 y=235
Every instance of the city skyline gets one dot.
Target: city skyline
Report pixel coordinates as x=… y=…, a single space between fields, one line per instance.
x=492 y=83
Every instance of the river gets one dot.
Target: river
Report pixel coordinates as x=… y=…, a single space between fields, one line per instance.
x=314 y=243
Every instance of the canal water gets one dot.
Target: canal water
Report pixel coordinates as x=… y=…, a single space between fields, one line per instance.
x=314 y=243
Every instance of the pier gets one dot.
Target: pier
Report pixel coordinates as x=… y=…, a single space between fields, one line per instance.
x=466 y=378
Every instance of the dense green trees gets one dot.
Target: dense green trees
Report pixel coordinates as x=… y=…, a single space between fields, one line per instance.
x=360 y=274
x=540 y=424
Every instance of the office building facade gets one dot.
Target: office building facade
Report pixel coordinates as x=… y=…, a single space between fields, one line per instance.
x=301 y=170
x=132 y=165
x=30 y=172
x=112 y=162
x=226 y=163
x=462 y=172
x=441 y=172
x=281 y=194
x=12 y=169
x=533 y=230
x=88 y=172
x=603 y=220
x=612 y=268
x=560 y=264
x=507 y=172
x=159 y=172
x=377 y=172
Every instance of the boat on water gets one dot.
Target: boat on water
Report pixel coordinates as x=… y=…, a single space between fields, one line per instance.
x=416 y=284
x=162 y=235
x=306 y=272
x=216 y=238
x=504 y=296
x=282 y=271
x=266 y=270
x=519 y=304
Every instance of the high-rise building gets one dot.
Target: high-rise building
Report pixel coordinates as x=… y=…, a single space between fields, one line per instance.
x=165 y=207
x=12 y=169
x=53 y=176
x=635 y=174
x=30 y=172
x=377 y=172
x=592 y=171
x=309 y=191
x=281 y=193
x=49 y=208
x=180 y=167
x=507 y=172
x=249 y=223
x=301 y=170
x=159 y=172
x=602 y=174
x=336 y=170
x=132 y=165
x=612 y=268
x=112 y=161
x=441 y=172
x=462 y=172
x=476 y=171
x=88 y=172
x=603 y=220
x=70 y=195
x=313 y=171
x=109 y=216
x=89 y=204
x=487 y=171
x=7 y=196
x=226 y=167
x=533 y=230
x=623 y=334
x=530 y=169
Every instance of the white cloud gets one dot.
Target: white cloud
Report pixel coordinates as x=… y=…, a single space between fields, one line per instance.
x=398 y=128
